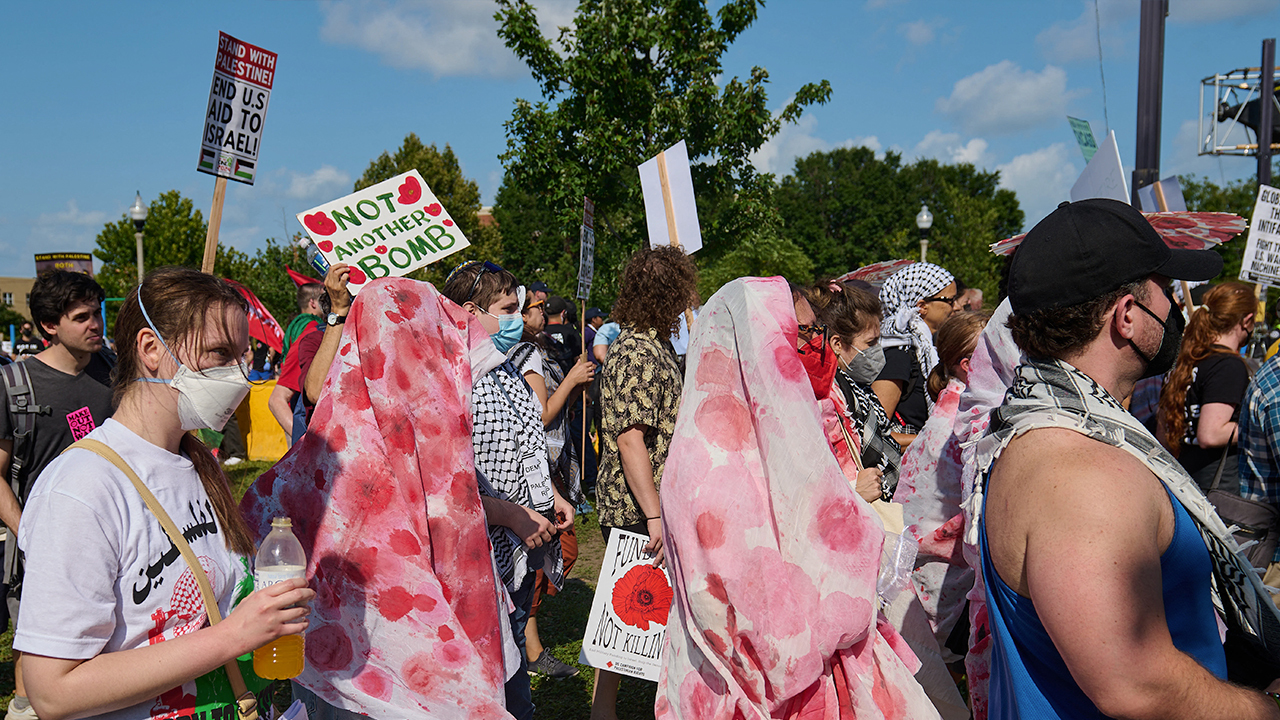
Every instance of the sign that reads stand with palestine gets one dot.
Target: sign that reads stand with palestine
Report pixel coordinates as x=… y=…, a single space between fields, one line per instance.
x=385 y=230
x=242 y=78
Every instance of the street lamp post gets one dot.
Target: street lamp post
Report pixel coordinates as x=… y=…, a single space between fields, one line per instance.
x=924 y=221
x=139 y=214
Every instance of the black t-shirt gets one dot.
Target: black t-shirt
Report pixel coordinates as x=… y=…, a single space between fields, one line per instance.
x=78 y=404
x=1219 y=378
x=900 y=365
x=25 y=346
x=565 y=345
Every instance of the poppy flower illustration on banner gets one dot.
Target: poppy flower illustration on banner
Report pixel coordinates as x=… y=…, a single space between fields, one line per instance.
x=385 y=230
x=628 y=623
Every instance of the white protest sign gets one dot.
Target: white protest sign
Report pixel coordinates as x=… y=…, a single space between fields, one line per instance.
x=242 y=79
x=1261 y=263
x=1104 y=176
x=385 y=230
x=587 y=249
x=628 y=622
x=669 y=206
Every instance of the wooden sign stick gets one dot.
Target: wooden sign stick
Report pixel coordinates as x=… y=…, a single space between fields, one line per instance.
x=215 y=221
x=672 y=234
x=586 y=420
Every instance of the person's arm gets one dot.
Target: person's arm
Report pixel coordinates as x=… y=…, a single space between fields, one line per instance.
x=533 y=529
x=335 y=283
x=60 y=688
x=580 y=374
x=889 y=392
x=638 y=472
x=1215 y=428
x=281 y=406
x=1096 y=585
x=600 y=351
x=10 y=510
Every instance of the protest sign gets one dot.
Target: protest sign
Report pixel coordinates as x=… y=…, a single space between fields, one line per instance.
x=1104 y=176
x=1084 y=137
x=75 y=262
x=242 y=78
x=1162 y=196
x=628 y=622
x=1261 y=262
x=385 y=230
x=586 y=249
x=669 y=206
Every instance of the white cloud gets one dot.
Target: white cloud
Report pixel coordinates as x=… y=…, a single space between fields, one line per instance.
x=73 y=215
x=1041 y=179
x=1073 y=40
x=443 y=37
x=1003 y=98
x=797 y=140
x=920 y=32
x=327 y=181
x=1202 y=11
x=948 y=148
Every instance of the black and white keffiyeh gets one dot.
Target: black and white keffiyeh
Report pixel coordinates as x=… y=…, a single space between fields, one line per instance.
x=562 y=455
x=1052 y=393
x=507 y=424
x=872 y=422
x=902 y=324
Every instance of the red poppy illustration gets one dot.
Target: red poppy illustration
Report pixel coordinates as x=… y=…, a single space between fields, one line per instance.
x=641 y=596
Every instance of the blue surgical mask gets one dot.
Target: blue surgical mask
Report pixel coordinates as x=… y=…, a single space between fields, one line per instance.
x=510 y=330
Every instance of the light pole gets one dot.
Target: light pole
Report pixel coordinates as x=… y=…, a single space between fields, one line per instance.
x=924 y=221
x=139 y=214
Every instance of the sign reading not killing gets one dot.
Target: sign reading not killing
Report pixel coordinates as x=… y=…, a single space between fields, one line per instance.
x=242 y=78
x=385 y=230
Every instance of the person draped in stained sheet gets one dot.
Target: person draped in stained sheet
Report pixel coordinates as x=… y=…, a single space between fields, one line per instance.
x=382 y=492
x=773 y=558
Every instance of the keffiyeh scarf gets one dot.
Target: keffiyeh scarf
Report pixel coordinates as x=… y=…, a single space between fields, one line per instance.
x=902 y=324
x=1054 y=394
x=382 y=492
x=773 y=558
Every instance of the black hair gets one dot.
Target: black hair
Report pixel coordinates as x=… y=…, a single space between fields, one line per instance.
x=55 y=291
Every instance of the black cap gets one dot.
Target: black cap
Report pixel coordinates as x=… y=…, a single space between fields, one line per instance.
x=593 y=313
x=539 y=287
x=1088 y=248
x=556 y=305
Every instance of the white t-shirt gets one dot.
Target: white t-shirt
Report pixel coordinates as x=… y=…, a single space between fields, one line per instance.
x=102 y=575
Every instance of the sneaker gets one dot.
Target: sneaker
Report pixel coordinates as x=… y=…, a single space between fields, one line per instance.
x=546 y=664
x=233 y=461
x=29 y=713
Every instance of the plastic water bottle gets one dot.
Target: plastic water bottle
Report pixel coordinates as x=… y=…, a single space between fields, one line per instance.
x=279 y=558
x=314 y=257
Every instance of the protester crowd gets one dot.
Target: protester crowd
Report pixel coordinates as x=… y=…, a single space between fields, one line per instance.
x=866 y=498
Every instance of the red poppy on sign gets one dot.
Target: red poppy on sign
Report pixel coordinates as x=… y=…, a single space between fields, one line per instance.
x=642 y=596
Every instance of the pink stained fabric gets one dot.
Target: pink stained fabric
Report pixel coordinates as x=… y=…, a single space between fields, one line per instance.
x=383 y=495
x=773 y=558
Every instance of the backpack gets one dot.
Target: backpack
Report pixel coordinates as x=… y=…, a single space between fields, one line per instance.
x=21 y=404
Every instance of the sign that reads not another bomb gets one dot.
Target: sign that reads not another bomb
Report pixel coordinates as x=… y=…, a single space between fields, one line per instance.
x=385 y=230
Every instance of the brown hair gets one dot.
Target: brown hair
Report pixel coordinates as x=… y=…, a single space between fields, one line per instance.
x=308 y=292
x=846 y=311
x=956 y=340
x=493 y=284
x=1224 y=307
x=179 y=300
x=657 y=285
x=1061 y=332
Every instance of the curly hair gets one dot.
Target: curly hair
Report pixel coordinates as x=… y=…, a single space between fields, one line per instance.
x=1062 y=332
x=1224 y=307
x=657 y=285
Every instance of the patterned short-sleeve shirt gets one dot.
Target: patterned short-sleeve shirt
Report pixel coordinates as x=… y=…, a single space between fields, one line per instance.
x=640 y=385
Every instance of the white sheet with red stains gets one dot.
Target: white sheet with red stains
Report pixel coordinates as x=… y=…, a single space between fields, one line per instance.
x=382 y=492
x=773 y=557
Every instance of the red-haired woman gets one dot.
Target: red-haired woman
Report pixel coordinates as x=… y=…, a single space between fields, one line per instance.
x=1201 y=401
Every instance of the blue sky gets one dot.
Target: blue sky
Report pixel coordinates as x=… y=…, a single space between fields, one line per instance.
x=104 y=99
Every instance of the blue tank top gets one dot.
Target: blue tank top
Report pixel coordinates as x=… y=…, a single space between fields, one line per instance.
x=1029 y=679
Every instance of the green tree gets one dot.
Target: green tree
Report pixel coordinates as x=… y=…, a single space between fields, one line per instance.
x=629 y=79
x=847 y=208
x=1238 y=196
x=458 y=194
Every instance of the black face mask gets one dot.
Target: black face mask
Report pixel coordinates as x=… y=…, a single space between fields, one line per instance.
x=1170 y=341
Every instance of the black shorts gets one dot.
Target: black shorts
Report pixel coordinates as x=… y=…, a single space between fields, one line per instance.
x=638 y=528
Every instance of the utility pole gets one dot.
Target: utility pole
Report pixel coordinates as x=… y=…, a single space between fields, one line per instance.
x=1267 y=97
x=1146 y=166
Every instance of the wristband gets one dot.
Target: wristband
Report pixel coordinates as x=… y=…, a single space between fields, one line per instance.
x=655 y=517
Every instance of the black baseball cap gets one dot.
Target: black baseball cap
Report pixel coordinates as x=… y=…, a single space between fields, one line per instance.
x=593 y=313
x=556 y=305
x=1088 y=248
x=539 y=286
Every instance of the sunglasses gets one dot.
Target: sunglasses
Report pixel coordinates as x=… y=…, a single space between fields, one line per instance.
x=948 y=300
x=809 y=332
x=486 y=266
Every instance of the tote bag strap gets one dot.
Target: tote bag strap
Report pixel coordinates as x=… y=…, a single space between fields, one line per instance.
x=246 y=703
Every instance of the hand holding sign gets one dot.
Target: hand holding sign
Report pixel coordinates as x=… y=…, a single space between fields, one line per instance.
x=385 y=230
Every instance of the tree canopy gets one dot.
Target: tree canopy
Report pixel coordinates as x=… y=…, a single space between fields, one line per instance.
x=631 y=78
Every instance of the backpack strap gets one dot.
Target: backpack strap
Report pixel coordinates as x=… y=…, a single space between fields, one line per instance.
x=20 y=402
x=246 y=703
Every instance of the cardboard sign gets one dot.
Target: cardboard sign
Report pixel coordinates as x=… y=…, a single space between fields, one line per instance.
x=628 y=622
x=1104 y=176
x=1084 y=137
x=669 y=206
x=75 y=262
x=242 y=79
x=385 y=230
x=1261 y=262
x=586 y=249
x=1162 y=196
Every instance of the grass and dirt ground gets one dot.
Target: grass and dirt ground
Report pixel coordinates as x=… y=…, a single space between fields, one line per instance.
x=561 y=620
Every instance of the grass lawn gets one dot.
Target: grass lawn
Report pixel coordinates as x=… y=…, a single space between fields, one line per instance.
x=561 y=620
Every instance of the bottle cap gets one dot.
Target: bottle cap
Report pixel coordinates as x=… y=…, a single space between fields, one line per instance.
x=281 y=522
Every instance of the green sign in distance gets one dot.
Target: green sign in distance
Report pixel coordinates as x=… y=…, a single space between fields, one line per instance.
x=1084 y=136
